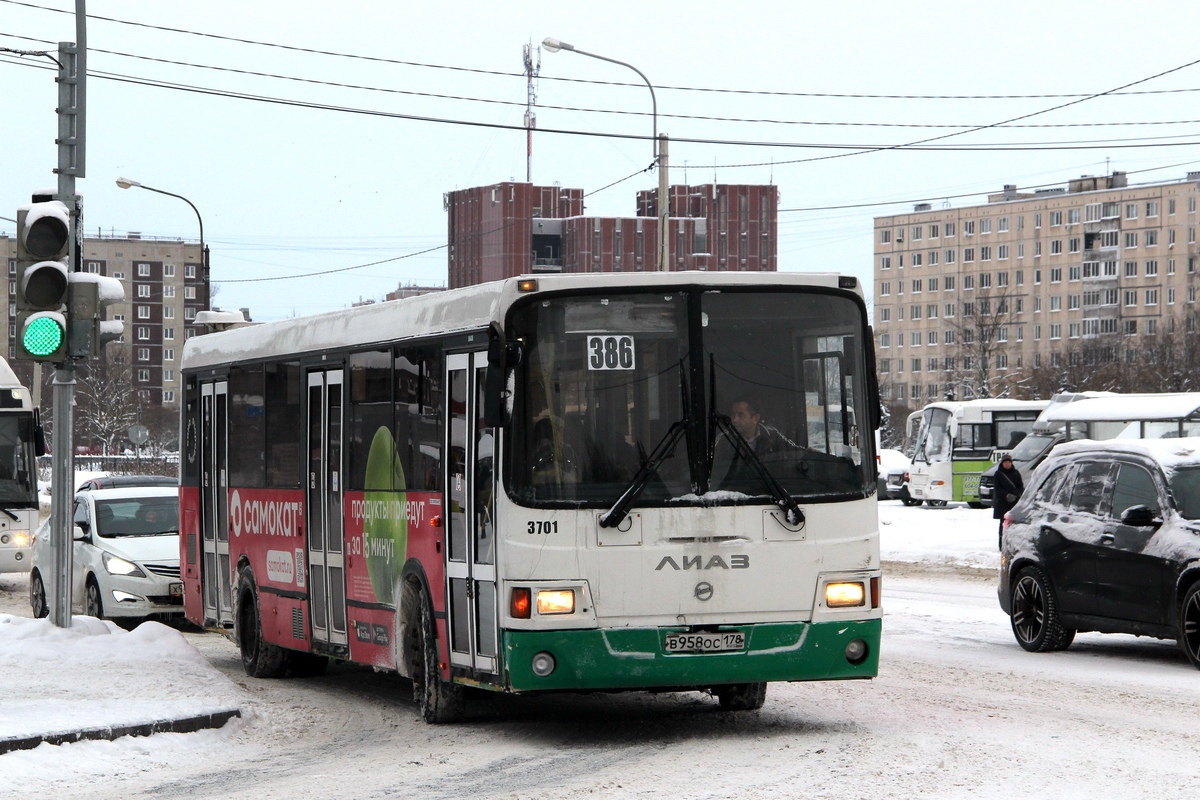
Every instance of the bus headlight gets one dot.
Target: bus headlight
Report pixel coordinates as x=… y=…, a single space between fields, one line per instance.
x=845 y=594
x=556 y=601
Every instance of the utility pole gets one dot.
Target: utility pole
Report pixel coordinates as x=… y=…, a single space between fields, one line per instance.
x=531 y=72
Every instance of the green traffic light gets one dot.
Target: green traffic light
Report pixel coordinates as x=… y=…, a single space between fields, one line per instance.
x=42 y=337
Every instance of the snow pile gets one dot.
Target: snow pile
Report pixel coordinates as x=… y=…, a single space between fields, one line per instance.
x=954 y=536
x=95 y=674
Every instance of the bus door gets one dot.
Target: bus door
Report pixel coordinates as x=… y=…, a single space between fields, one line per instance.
x=214 y=501
x=326 y=561
x=470 y=530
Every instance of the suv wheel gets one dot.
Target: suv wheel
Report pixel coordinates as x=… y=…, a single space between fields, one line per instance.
x=1189 y=624
x=1034 y=618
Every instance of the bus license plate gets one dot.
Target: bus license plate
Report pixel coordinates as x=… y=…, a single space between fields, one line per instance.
x=705 y=642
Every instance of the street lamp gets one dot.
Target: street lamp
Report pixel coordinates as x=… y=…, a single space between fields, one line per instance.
x=125 y=183
x=660 y=153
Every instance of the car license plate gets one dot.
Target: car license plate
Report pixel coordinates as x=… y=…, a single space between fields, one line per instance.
x=176 y=590
x=705 y=642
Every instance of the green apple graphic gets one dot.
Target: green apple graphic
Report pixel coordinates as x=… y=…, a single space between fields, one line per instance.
x=385 y=526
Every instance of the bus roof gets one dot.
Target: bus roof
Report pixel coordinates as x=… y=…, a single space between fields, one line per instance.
x=988 y=404
x=462 y=310
x=1127 y=408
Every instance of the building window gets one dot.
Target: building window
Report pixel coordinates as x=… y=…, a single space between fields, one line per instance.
x=969 y=228
x=169 y=354
x=1152 y=297
x=1073 y=216
x=168 y=375
x=985 y=253
x=189 y=313
x=933 y=231
x=1131 y=211
x=1152 y=208
x=143 y=312
x=1131 y=239
x=1151 y=238
x=1055 y=247
x=143 y=333
x=168 y=334
x=168 y=312
x=143 y=375
x=189 y=270
x=143 y=270
x=168 y=291
x=985 y=226
x=1056 y=275
x=948 y=282
x=143 y=290
x=1003 y=254
x=1130 y=269
x=1055 y=219
x=1151 y=268
x=143 y=354
x=189 y=292
x=949 y=228
x=168 y=270
x=168 y=396
x=1073 y=244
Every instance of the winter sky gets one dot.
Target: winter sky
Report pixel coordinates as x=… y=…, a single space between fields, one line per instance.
x=317 y=139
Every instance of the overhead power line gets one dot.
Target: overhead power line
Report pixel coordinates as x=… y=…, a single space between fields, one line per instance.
x=508 y=74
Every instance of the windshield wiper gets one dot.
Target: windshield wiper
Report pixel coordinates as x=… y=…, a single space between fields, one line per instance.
x=662 y=451
x=616 y=515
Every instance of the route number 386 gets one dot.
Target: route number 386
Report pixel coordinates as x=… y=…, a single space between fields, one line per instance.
x=610 y=352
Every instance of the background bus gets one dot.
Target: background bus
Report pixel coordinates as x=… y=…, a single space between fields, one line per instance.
x=19 y=440
x=1099 y=416
x=535 y=485
x=956 y=442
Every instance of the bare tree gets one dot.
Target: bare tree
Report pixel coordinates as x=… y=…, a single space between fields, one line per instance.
x=106 y=404
x=981 y=332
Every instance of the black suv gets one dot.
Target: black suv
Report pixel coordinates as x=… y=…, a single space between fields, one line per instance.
x=1106 y=538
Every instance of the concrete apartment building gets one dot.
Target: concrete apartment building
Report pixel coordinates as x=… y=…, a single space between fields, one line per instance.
x=166 y=285
x=510 y=229
x=1092 y=273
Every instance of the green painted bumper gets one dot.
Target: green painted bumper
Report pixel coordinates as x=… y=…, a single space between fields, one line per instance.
x=634 y=658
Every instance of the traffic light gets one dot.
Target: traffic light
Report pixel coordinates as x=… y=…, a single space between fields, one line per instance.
x=88 y=295
x=43 y=242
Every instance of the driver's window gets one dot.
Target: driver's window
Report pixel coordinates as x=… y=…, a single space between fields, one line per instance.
x=1135 y=487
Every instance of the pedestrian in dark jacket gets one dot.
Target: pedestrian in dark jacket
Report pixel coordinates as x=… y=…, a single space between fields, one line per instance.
x=1006 y=490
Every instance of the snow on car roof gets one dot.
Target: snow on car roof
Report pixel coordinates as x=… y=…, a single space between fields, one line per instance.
x=1170 y=453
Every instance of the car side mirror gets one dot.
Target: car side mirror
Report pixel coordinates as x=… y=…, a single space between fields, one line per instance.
x=81 y=534
x=1139 y=517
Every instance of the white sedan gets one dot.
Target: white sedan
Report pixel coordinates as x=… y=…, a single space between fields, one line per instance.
x=126 y=555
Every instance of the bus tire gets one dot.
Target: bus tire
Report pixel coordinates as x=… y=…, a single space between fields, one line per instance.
x=37 y=596
x=741 y=696
x=440 y=702
x=260 y=659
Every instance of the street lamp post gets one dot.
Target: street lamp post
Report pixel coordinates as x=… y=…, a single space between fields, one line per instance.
x=660 y=151
x=125 y=183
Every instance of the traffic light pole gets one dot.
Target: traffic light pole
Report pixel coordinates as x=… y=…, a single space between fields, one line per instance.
x=72 y=83
x=62 y=489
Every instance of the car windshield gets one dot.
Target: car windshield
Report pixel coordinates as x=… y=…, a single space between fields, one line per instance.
x=1031 y=447
x=137 y=516
x=1185 y=487
x=645 y=389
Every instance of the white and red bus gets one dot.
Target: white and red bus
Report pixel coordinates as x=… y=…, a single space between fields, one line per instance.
x=536 y=485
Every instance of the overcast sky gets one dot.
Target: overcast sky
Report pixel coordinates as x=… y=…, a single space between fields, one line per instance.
x=433 y=95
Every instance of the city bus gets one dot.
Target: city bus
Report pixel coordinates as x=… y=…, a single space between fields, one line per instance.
x=20 y=445
x=956 y=444
x=518 y=487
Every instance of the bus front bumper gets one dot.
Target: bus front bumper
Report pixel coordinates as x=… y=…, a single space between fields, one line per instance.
x=636 y=658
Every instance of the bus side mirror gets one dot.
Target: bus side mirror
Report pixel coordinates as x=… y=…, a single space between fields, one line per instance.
x=39 y=434
x=497 y=394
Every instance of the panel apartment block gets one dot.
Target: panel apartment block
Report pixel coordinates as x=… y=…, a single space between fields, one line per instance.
x=1100 y=269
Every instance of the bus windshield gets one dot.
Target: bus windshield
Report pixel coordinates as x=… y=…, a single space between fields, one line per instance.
x=18 y=466
x=608 y=379
x=933 y=445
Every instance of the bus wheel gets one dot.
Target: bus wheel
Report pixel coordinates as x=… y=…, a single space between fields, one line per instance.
x=741 y=696
x=37 y=596
x=259 y=658
x=440 y=702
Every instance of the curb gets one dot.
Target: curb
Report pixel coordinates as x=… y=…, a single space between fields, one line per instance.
x=109 y=732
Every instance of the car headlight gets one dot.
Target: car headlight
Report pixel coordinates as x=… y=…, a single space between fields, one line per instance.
x=115 y=565
x=21 y=539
